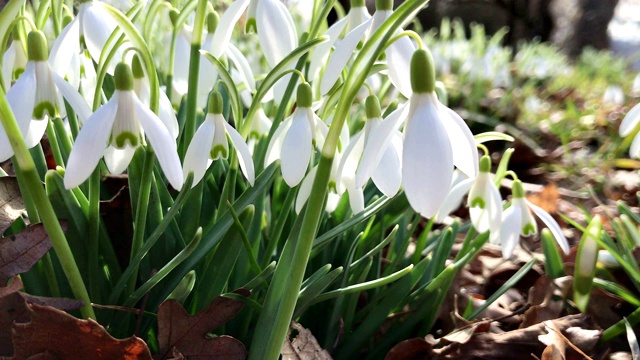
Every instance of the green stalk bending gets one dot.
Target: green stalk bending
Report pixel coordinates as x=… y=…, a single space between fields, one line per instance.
x=24 y=161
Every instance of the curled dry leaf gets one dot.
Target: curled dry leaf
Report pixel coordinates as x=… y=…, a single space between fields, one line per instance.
x=303 y=347
x=59 y=334
x=11 y=204
x=181 y=335
x=18 y=253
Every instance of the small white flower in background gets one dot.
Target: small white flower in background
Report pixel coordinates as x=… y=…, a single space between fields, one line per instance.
x=613 y=95
x=435 y=139
x=37 y=95
x=635 y=88
x=211 y=142
x=517 y=220
x=142 y=90
x=94 y=24
x=485 y=203
x=382 y=162
x=627 y=126
x=460 y=186
x=293 y=141
x=116 y=130
x=14 y=61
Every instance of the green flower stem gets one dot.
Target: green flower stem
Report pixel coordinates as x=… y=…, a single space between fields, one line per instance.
x=140 y=221
x=50 y=274
x=24 y=161
x=281 y=298
x=94 y=233
x=53 y=142
x=56 y=12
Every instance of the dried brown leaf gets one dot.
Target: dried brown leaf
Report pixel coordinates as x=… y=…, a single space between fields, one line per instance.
x=188 y=334
x=65 y=337
x=13 y=308
x=412 y=349
x=19 y=252
x=547 y=199
x=11 y=204
x=304 y=346
x=556 y=345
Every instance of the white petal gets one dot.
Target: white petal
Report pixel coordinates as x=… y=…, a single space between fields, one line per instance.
x=22 y=97
x=427 y=159
x=163 y=144
x=349 y=161
x=225 y=26
x=479 y=214
x=242 y=65
x=296 y=149
x=90 y=144
x=74 y=98
x=528 y=226
x=634 y=150
x=319 y=56
x=181 y=66
x=275 y=145
x=321 y=129
x=378 y=141
x=35 y=132
x=343 y=51
x=168 y=115
x=388 y=174
x=276 y=31
x=244 y=155
x=454 y=198
x=510 y=230
x=305 y=189
x=357 y=15
x=356 y=199
x=197 y=159
x=117 y=160
x=398 y=59
x=97 y=26
x=465 y=153
x=66 y=45
x=630 y=121
x=8 y=62
x=552 y=225
x=6 y=151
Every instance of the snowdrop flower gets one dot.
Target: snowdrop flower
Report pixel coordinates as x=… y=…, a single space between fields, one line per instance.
x=116 y=130
x=94 y=24
x=460 y=186
x=517 y=220
x=635 y=88
x=627 y=126
x=142 y=90
x=14 y=61
x=435 y=139
x=211 y=142
x=37 y=95
x=485 y=203
x=382 y=164
x=292 y=143
x=613 y=95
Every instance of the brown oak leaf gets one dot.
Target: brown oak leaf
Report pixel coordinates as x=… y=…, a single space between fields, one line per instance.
x=184 y=335
x=19 y=252
x=54 y=333
x=304 y=346
x=11 y=203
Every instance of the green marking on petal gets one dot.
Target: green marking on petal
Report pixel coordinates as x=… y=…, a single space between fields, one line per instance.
x=218 y=151
x=42 y=109
x=126 y=137
x=17 y=72
x=478 y=202
x=251 y=26
x=528 y=229
x=332 y=186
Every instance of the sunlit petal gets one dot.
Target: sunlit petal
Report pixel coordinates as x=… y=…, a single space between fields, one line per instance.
x=22 y=97
x=66 y=45
x=275 y=145
x=398 y=59
x=427 y=159
x=90 y=145
x=74 y=98
x=296 y=149
x=276 y=31
x=465 y=153
x=197 y=158
x=117 y=160
x=225 y=26
x=454 y=198
x=510 y=230
x=634 y=150
x=244 y=155
x=343 y=51
x=552 y=225
x=163 y=144
x=305 y=189
x=321 y=52
x=388 y=174
x=97 y=25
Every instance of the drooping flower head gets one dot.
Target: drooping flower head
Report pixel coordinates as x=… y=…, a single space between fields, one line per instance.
x=517 y=220
x=210 y=143
x=435 y=139
x=293 y=141
x=37 y=95
x=485 y=203
x=116 y=130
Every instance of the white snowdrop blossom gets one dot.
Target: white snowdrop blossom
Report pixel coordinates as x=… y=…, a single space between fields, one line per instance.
x=211 y=142
x=94 y=24
x=293 y=141
x=627 y=126
x=14 y=61
x=382 y=162
x=613 y=95
x=435 y=139
x=116 y=130
x=517 y=220
x=485 y=203
x=37 y=95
